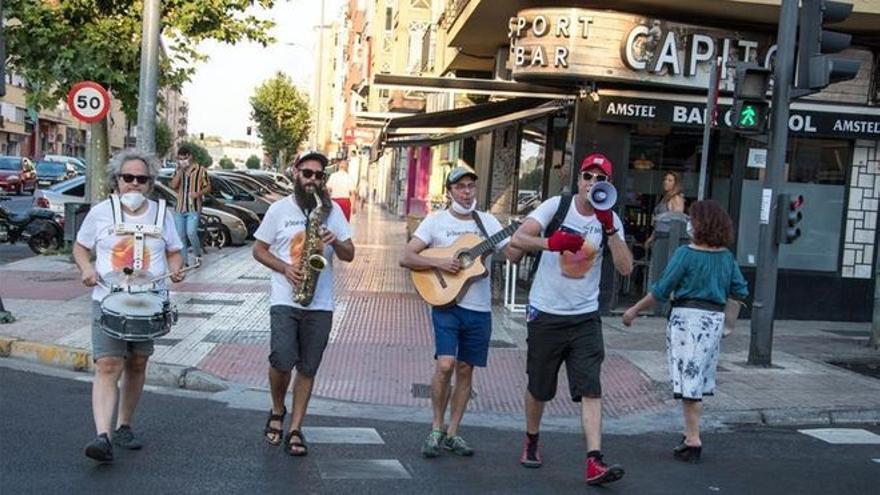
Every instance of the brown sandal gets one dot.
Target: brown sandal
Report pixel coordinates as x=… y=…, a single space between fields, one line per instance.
x=300 y=443
x=277 y=432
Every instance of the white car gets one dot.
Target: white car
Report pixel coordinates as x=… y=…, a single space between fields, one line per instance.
x=54 y=198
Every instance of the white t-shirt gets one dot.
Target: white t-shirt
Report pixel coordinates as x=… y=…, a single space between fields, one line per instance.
x=568 y=283
x=283 y=229
x=116 y=252
x=441 y=229
x=340 y=184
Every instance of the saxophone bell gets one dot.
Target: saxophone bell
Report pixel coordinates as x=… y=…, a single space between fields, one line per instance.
x=317 y=262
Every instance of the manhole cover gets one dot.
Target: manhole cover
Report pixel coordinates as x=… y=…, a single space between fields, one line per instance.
x=867 y=368
x=215 y=302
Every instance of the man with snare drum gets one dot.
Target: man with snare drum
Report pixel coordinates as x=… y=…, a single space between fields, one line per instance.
x=135 y=242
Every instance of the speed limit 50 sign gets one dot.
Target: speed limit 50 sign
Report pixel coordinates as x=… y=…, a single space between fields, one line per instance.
x=88 y=101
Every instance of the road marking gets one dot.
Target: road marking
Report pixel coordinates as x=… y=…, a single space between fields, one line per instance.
x=876 y=460
x=329 y=434
x=363 y=469
x=843 y=436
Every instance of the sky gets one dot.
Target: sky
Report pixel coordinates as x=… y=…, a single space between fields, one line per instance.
x=220 y=89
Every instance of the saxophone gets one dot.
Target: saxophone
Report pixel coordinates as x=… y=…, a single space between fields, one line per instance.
x=312 y=262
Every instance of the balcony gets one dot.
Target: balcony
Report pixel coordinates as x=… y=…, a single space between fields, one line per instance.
x=453 y=9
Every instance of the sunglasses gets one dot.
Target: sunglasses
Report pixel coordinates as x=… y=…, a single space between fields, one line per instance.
x=309 y=173
x=588 y=176
x=141 y=179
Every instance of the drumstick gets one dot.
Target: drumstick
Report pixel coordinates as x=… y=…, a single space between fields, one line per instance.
x=160 y=277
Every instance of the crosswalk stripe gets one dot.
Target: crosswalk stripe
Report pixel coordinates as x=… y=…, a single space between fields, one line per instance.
x=362 y=469
x=329 y=434
x=843 y=435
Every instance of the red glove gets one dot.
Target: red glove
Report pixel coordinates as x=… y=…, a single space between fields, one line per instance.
x=561 y=241
x=606 y=218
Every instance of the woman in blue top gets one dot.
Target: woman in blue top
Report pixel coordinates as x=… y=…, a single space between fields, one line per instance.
x=699 y=278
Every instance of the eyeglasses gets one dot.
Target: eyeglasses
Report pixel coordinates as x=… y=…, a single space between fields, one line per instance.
x=588 y=176
x=308 y=173
x=141 y=179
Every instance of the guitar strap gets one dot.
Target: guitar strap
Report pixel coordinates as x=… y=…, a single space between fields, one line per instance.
x=480 y=224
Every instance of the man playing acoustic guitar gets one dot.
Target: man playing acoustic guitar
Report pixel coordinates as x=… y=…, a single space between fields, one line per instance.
x=462 y=330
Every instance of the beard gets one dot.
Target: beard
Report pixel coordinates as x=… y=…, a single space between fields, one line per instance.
x=305 y=195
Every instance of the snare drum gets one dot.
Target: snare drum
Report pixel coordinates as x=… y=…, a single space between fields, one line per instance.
x=137 y=317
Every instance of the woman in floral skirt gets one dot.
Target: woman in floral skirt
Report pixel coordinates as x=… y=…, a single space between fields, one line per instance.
x=699 y=279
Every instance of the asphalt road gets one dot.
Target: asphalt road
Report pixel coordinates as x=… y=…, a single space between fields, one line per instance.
x=198 y=445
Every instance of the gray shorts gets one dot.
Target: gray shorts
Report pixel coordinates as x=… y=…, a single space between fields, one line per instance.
x=299 y=338
x=104 y=345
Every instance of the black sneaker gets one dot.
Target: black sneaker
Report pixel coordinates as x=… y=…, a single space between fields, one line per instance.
x=124 y=437
x=100 y=449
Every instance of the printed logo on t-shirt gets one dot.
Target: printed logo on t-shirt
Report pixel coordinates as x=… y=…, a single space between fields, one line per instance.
x=295 y=223
x=297 y=245
x=458 y=233
x=122 y=255
x=577 y=265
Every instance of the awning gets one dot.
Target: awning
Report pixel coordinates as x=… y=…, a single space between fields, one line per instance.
x=435 y=128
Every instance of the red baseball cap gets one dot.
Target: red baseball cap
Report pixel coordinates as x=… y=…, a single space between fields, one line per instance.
x=597 y=160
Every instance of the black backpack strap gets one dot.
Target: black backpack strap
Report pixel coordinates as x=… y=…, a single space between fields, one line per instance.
x=480 y=223
x=555 y=222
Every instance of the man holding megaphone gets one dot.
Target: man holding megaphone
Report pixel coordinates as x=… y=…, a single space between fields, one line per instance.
x=563 y=311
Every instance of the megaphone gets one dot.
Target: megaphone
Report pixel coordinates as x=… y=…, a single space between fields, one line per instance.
x=602 y=195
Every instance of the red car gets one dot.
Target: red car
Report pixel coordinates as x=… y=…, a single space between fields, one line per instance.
x=17 y=174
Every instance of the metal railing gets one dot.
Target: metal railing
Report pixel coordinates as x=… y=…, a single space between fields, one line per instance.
x=451 y=13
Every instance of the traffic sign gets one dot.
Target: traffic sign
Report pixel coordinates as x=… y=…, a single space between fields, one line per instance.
x=88 y=101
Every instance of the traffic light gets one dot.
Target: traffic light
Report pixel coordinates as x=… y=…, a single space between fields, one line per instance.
x=789 y=217
x=751 y=106
x=817 y=70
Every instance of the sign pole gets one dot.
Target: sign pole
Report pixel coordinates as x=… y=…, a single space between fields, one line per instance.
x=711 y=108
x=149 y=78
x=764 y=304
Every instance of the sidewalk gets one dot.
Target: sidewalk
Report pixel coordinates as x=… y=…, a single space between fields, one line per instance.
x=381 y=346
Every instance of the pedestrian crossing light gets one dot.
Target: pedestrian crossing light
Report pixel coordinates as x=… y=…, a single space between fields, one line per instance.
x=751 y=106
x=816 y=69
x=789 y=217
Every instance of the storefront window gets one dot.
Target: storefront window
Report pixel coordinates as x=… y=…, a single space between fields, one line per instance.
x=816 y=169
x=531 y=166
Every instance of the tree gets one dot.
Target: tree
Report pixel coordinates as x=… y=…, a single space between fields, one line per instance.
x=253 y=162
x=164 y=140
x=199 y=153
x=282 y=116
x=226 y=163
x=108 y=41
x=55 y=44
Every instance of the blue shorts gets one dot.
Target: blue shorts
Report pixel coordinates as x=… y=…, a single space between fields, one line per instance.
x=462 y=333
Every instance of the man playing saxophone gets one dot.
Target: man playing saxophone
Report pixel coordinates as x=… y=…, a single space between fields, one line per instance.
x=293 y=236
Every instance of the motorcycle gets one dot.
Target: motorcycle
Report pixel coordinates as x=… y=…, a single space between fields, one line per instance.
x=42 y=229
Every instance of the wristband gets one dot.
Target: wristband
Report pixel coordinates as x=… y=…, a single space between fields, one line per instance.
x=609 y=233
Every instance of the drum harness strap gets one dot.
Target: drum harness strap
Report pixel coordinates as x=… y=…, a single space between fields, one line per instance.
x=138 y=231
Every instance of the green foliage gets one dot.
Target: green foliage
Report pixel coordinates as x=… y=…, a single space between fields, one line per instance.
x=226 y=163
x=253 y=162
x=199 y=153
x=164 y=140
x=56 y=44
x=281 y=114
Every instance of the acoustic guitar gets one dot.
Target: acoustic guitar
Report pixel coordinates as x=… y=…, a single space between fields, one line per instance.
x=444 y=289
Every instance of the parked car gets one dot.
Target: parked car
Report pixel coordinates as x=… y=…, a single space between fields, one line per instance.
x=17 y=174
x=78 y=163
x=228 y=192
x=252 y=185
x=49 y=172
x=279 y=179
x=265 y=182
x=234 y=231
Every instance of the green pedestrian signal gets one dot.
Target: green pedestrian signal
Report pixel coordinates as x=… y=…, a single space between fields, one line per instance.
x=751 y=105
x=749 y=116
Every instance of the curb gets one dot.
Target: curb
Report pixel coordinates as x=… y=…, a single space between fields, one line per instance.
x=795 y=417
x=80 y=360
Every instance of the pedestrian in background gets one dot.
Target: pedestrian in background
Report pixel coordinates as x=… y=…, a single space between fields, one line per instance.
x=700 y=278
x=461 y=332
x=106 y=231
x=190 y=183
x=672 y=200
x=342 y=190
x=563 y=312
